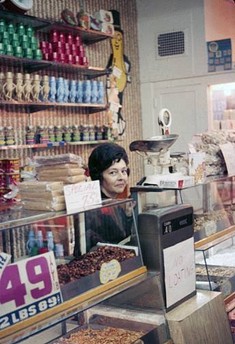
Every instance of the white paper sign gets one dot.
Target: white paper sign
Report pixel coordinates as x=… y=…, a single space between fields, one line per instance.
x=82 y=195
x=180 y=275
x=228 y=151
x=28 y=287
x=4 y=260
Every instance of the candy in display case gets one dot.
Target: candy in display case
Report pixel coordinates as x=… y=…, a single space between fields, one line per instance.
x=97 y=268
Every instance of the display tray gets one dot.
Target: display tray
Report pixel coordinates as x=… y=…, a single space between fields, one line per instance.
x=222 y=277
x=207 y=224
x=83 y=284
x=138 y=332
x=215 y=272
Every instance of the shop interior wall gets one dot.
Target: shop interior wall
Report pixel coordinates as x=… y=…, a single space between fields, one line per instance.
x=98 y=55
x=181 y=82
x=173 y=82
x=220 y=21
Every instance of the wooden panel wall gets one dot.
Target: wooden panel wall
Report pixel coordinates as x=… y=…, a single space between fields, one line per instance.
x=98 y=55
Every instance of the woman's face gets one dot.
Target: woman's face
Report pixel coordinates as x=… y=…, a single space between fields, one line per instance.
x=114 y=179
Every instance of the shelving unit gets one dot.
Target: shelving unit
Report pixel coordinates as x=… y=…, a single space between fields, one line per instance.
x=43 y=27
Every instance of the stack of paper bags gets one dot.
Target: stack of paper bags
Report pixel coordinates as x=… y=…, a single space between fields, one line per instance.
x=66 y=173
x=42 y=195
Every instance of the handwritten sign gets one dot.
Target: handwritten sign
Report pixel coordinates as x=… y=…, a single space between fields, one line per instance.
x=180 y=275
x=228 y=151
x=27 y=288
x=82 y=195
x=109 y=271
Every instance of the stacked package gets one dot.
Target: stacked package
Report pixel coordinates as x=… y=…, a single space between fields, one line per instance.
x=42 y=196
x=53 y=172
x=66 y=168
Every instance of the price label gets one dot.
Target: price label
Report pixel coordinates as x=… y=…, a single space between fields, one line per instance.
x=109 y=271
x=27 y=288
x=82 y=195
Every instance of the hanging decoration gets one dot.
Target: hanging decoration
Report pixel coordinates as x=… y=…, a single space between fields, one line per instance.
x=119 y=66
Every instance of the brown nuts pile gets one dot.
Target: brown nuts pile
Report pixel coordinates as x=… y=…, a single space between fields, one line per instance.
x=91 y=262
x=108 y=335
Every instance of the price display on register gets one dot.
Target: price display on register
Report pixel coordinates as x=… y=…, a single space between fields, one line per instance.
x=28 y=287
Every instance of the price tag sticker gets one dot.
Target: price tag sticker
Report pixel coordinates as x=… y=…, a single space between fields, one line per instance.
x=81 y=195
x=109 y=271
x=27 y=288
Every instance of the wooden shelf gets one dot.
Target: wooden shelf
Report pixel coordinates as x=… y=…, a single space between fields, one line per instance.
x=31 y=65
x=39 y=106
x=88 y=36
x=52 y=145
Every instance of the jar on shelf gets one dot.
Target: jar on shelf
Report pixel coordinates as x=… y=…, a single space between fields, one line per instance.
x=98 y=132
x=27 y=87
x=19 y=86
x=87 y=91
x=72 y=91
x=30 y=135
x=45 y=91
x=91 y=129
x=50 y=241
x=51 y=134
x=52 y=93
x=36 y=87
x=94 y=92
x=67 y=134
x=66 y=91
x=43 y=134
x=76 y=135
x=60 y=90
x=100 y=91
x=2 y=136
x=79 y=98
x=58 y=133
x=31 y=244
x=106 y=132
x=9 y=136
x=84 y=130
x=9 y=86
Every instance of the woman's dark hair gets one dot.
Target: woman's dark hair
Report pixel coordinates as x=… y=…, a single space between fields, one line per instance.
x=103 y=156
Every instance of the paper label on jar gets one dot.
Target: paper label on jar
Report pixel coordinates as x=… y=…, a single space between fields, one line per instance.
x=109 y=271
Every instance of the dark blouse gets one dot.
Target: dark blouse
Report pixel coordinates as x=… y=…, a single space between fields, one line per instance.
x=108 y=224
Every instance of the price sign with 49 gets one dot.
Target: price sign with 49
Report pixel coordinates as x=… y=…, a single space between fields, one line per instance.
x=27 y=288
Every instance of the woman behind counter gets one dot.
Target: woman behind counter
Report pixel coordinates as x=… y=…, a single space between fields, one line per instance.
x=108 y=163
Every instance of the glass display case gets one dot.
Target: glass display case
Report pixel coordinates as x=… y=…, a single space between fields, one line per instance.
x=54 y=288
x=213 y=226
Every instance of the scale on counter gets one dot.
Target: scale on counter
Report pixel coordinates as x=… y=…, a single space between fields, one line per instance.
x=155 y=150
